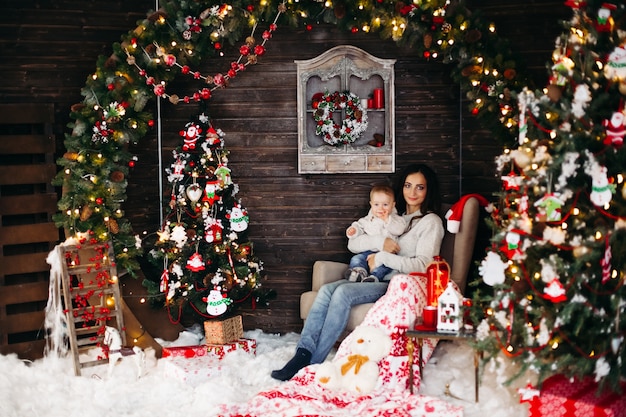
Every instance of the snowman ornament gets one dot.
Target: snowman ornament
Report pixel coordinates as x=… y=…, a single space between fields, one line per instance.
x=238 y=219
x=216 y=304
x=601 y=190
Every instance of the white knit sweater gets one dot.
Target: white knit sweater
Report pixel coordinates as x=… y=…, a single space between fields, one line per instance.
x=418 y=245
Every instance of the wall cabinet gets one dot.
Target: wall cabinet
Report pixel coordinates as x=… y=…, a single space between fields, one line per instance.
x=347 y=69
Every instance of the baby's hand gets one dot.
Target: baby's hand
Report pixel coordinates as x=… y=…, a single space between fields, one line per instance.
x=351 y=231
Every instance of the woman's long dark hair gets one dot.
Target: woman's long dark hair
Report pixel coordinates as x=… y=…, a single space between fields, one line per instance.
x=432 y=202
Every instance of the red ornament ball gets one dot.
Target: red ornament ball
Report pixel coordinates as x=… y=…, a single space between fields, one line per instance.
x=131 y=164
x=309 y=27
x=111 y=87
x=426 y=54
x=99 y=201
x=475 y=111
x=217 y=46
x=151 y=123
x=354 y=29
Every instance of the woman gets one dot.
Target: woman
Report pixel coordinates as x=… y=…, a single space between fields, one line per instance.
x=417 y=199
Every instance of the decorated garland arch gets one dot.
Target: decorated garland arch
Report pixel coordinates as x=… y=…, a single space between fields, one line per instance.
x=172 y=42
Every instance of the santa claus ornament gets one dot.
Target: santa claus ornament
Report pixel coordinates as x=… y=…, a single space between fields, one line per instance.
x=190 y=135
x=615 y=129
x=604 y=21
x=210 y=195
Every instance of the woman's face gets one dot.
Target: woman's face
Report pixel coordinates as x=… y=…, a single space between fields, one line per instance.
x=414 y=191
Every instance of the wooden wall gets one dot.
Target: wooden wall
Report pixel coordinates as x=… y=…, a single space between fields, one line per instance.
x=49 y=48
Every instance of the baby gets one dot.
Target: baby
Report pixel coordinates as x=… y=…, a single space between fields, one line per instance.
x=382 y=220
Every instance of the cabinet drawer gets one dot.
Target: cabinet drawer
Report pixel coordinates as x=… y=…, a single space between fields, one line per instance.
x=380 y=163
x=345 y=163
x=312 y=163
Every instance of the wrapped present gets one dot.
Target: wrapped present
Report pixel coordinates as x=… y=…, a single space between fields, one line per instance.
x=561 y=397
x=194 y=371
x=220 y=350
x=224 y=330
x=184 y=351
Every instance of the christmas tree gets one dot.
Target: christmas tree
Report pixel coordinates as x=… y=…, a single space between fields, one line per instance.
x=207 y=261
x=552 y=295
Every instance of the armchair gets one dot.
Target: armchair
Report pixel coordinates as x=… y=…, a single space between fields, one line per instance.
x=456 y=248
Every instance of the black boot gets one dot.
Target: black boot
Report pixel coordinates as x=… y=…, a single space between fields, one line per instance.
x=301 y=359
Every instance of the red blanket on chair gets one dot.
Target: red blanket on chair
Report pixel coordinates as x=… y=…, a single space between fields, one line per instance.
x=302 y=396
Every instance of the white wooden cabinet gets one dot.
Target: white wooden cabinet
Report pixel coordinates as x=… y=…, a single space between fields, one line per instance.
x=346 y=68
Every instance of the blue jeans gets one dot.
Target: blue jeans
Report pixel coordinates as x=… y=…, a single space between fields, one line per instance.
x=360 y=260
x=330 y=311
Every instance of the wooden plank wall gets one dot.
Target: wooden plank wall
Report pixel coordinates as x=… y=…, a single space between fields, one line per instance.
x=27 y=233
x=49 y=48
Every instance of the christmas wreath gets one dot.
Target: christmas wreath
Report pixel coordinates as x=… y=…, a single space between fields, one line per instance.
x=354 y=122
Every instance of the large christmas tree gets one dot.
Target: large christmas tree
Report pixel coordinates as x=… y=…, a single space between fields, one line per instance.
x=553 y=296
x=207 y=261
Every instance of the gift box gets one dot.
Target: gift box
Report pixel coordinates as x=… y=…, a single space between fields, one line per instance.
x=184 y=351
x=562 y=397
x=223 y=331
x=220 y=350
x=194 y=371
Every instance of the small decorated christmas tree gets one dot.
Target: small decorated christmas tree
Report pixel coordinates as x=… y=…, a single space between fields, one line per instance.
x=208 y=266
x=553 y=296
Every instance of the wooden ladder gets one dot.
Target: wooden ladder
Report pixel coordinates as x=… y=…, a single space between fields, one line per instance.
x=91 y=299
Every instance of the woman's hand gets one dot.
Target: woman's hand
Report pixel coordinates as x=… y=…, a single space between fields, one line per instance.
x=390 y=246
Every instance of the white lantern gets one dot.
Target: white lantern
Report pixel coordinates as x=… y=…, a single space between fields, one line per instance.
x=449 y=318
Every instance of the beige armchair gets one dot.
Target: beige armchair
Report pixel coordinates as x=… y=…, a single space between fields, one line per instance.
x=457 y=249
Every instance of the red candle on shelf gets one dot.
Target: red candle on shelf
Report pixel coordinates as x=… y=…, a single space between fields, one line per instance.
x=429 y=317
x=379 y=98
x=437 y=277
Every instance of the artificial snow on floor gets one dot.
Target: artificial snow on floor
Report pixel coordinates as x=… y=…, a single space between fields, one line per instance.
x=48 y=387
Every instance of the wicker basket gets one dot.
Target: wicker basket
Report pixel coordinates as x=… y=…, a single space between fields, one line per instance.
x=223 y=331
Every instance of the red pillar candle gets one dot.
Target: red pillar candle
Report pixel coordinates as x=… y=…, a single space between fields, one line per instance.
x=379 y=98
x=429 y=317
x=437 y=277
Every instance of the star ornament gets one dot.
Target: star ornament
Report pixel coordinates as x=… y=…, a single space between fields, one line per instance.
x=528 y=393
x=512 y=181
